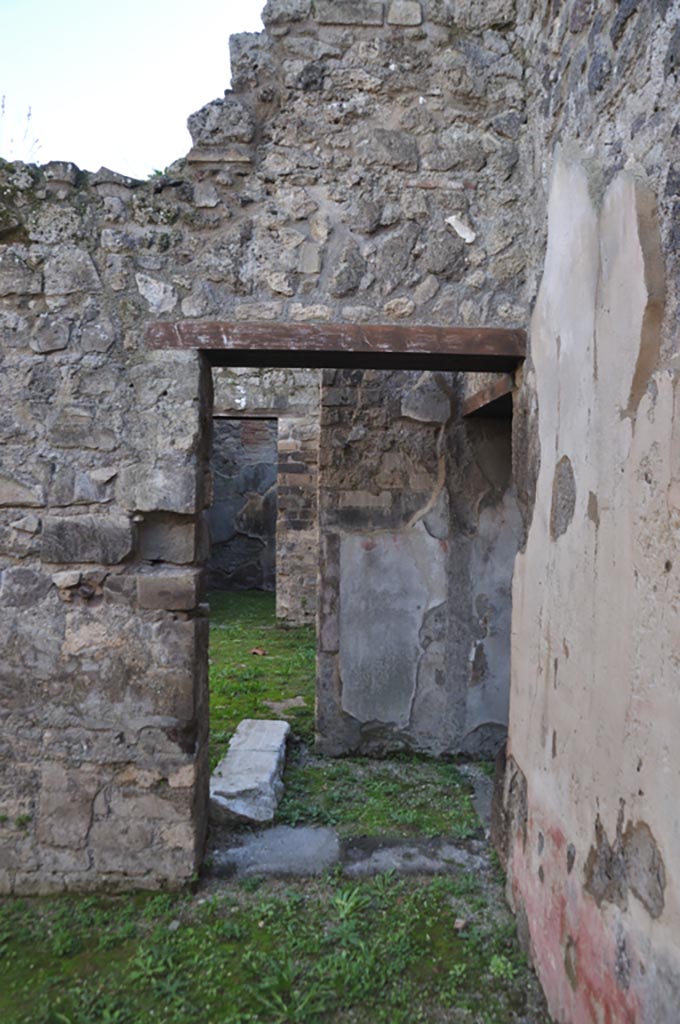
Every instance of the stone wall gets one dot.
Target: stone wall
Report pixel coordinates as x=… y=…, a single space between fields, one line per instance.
x=242 y=517
x=291 y=396
x=419 y=530
x=365 y=168
x=594 y=778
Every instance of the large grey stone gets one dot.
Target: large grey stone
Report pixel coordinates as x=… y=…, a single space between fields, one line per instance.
x=73 y=539
x=349 y=12
x=17 y=277
x=168 y=485
x=404 y=12
x=281 y=851
x=166 y=538
x=169 y=588
x=364 y=858
x=18 y=494
x=426 y=402
x=247 y=785
x=222 y=121
x=70 y=270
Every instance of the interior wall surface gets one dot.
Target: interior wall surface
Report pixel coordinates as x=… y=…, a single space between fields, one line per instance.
x=419 y=528
x=364 y=168
x=242 y=517
x=593 y=778
x=292 y=398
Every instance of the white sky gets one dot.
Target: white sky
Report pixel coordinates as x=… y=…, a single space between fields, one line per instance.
x=112 y=82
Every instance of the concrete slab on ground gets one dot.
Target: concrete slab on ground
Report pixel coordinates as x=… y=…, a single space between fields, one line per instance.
x=281 y=851
x=246 y=785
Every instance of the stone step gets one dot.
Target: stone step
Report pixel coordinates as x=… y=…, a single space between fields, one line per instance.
x=246 y=785
x=283 y=851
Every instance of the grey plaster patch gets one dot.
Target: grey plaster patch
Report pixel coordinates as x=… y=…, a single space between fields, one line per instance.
x=645 y=867
x=280 y=851
x=362 y=858
x=563 y=498
x=388 y=582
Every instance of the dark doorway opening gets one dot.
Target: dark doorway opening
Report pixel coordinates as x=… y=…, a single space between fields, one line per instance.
x=242 y=518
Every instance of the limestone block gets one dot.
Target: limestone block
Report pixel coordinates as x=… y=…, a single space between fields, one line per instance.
x=399 y=308
x=22 y=588
x=281 y=851
x=390 y=148
x=174 y=590
x=404 y=12
x=472 y=14
x=107 y=540
x=72 y=486
x=247 y=784
x=426 y=402
x=220 y=122
x=348 y=271
x=98 y=336
x=309 y=258
x=121 y=846
x=70 y=270
x=61 y=171
x=17 y=277
x=21 y=493
x=65 y=805
x=169 y=485
x=277 y=12
x=167 y=539
x=52 y=224
x=50 y=334
x=79 y=427
x=349 y=12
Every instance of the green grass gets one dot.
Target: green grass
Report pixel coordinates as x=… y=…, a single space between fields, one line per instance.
x=240 y=682
x=384 y=950
x=404 y=796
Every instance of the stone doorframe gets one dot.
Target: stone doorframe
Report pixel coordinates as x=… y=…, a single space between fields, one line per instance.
x=495 y=351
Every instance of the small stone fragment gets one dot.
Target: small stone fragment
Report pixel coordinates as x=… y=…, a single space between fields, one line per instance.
x=399 y=308
x=160 y=297
x=462 y=229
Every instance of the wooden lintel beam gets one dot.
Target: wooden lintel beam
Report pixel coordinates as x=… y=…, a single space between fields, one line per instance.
x=485 y=397
x=254 y=343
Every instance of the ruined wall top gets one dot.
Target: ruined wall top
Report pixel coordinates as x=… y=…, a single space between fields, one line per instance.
x=364 y=167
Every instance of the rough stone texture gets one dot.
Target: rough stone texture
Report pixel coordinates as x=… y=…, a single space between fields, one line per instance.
x=103 y=699
x=247 y=783
x=242 y=517
x=291 y=398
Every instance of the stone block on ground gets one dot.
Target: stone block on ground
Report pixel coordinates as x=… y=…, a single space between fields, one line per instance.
x=280 y=851
x=247 y=783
